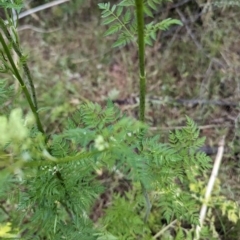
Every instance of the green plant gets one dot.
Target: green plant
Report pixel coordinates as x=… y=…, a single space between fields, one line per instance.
x=53 y=178
x=128 y=25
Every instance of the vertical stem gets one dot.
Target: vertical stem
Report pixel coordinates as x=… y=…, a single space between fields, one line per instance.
x=141 y=56
x=24 y=64
x=19 y=78
x=142 y=80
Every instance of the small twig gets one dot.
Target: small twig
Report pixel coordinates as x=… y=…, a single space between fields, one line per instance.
x=206 y=102
x=205 y=81
x=36 y=29
x=210 y=187
x=170 y=7
x=40 y=8
x=164 y=229
x=183 y=19
x=167 y=100
x=181 y=127
x=34 y=16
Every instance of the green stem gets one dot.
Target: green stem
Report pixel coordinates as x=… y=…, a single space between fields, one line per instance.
x=142 y=80
x=141 y=56
x=24 y=64
x=19 y=78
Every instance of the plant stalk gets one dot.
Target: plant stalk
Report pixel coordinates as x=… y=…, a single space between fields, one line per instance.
x=142 y=87
x=141 y=56
x=19 y=78
x=24 y=64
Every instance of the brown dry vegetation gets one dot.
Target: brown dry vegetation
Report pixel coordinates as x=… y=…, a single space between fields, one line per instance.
x=192 y=70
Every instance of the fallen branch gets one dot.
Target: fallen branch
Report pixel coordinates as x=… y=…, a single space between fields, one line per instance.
x=167 y=100
x=210 y=187
x=164 y=229
x=171 y=128
x=39 y=8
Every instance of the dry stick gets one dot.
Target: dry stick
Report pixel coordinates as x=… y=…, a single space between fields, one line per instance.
x=34 y=16
x=36 y=29
x=164 y=229
x=167 y=100
x=189 y=31
x=173 y=6
x=210 y=187
x=170 y=128
x=40 y=8
x=158 y=100
x=198 y=45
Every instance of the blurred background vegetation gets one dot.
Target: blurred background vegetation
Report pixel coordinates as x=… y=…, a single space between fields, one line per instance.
x=192 y=70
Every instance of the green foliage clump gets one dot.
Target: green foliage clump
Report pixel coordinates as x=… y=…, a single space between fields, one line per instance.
x=60 y=182
x=122 y=21
x=6 y=91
